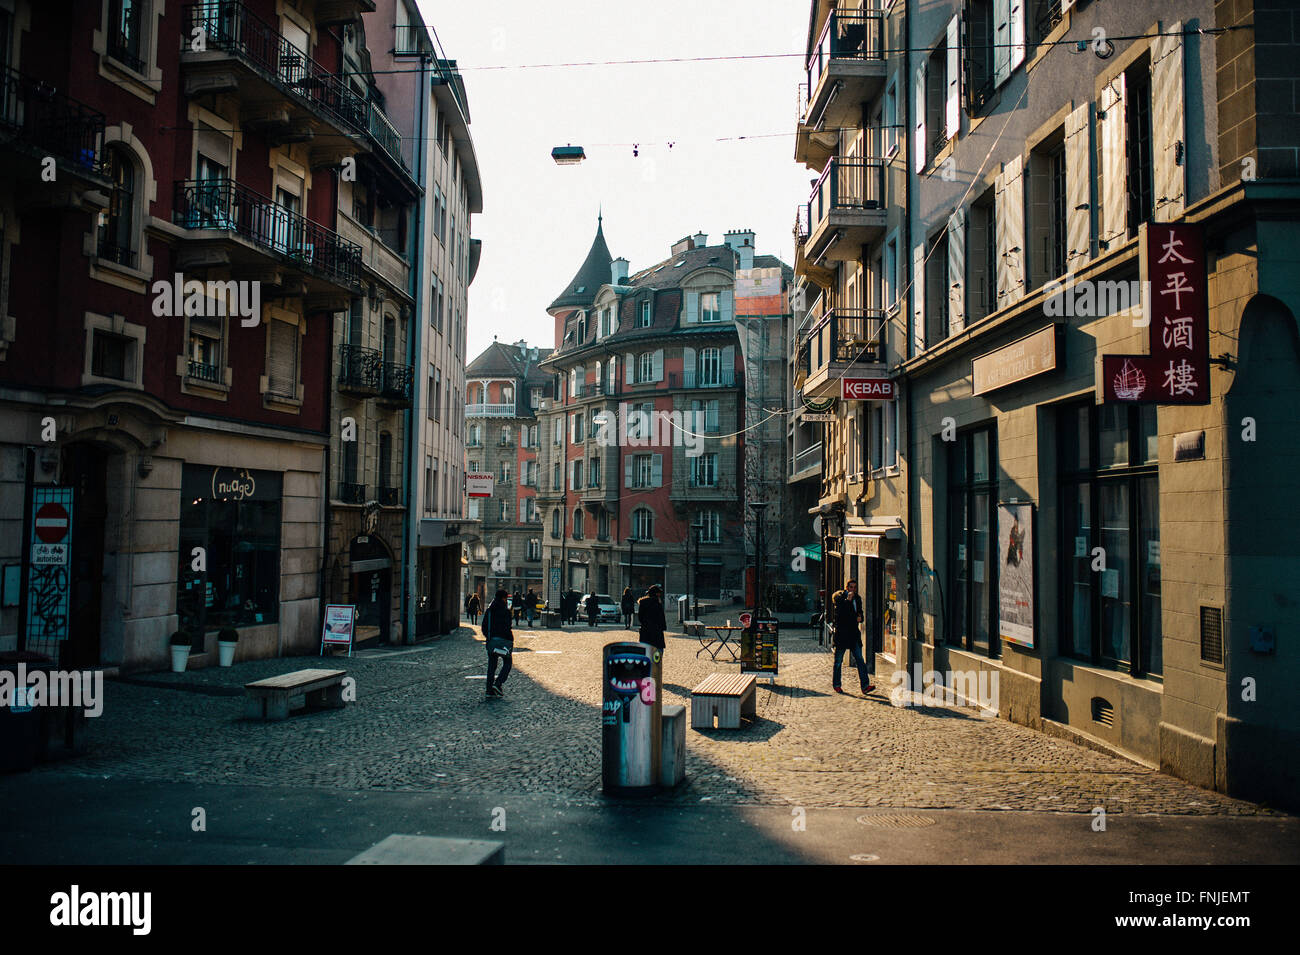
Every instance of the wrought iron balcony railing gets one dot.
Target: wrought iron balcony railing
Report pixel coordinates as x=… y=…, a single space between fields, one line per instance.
x=55 y=123
x=398 y=381
x=847 y=184
x=360 y=369
x=119 y=48
x=390 y=496
x=230 y=26
x=225 y=204
x=352 y=493
x=850 y=35
x=386 y=137
x=204 y=372
x=847 y=335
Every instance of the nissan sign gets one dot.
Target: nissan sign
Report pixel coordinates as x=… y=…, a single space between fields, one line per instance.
x=867 y=389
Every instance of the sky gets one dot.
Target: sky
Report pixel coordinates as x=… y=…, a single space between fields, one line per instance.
x=539 y=219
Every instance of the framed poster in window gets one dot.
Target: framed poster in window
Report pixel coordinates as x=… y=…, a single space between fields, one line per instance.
x=1016 y=574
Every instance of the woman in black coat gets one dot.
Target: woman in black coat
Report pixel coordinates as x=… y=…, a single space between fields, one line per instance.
x=650 y=611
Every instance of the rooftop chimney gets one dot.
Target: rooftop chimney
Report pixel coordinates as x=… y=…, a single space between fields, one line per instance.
x=701 y=239
x=742 y=243
x=682 y=245
x=618 y=271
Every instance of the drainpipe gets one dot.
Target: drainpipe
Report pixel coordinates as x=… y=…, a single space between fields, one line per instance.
x=410 y=552
x=911 y=529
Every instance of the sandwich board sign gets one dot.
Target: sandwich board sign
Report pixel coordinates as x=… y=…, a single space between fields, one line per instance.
x=340 y=624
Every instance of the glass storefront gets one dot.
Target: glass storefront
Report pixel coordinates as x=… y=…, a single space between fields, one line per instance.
x=233 y=515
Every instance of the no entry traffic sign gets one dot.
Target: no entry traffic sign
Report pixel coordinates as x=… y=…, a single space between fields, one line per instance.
x=51 y=524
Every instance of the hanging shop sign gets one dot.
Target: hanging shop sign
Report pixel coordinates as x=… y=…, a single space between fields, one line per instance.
x=813 y=417
x=1032 y=355
x=1016 y=575
x=1176 y=371
x=817 y=405
x=867 y=389
x=48 y=581
x=478 y=485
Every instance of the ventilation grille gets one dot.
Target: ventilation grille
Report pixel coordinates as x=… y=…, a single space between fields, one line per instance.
x=1102 y=712
x=1212 y=635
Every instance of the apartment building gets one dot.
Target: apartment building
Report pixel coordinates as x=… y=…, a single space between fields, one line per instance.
x=850 y=315
x=641 y=459
x=504 y=387
x=172 y=272
x=1101 y=360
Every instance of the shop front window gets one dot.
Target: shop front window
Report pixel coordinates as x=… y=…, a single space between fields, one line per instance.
x=1110 y=536
x=233 y=515
x=972 y=570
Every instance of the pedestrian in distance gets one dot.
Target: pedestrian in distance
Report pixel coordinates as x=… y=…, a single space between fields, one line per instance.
x=530 y=606
x=593 y=611
x=500 y=641
x=846 y=617
x=650 y=611
x=517 y=602
x=472 y=608
x=628 y=606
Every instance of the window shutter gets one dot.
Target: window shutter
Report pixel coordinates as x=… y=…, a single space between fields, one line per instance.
x=1169 y=173
x=1114 y=175
x=918 y=130
x=1010 y=229
x=692 y=308
x=918 y=299
x=571 y=475
x=1001 y=41
x=688 y=366
x=658 y=373
x=952 y=111
x=523 y=510
x=1078 y=183
x=627 y=472
x=629 y=368
x=697 y=418
x=657 y=470
x=727 y=304
x=282 y=362
x=1017 y=34
x=729 y=366
x=711 y=422
x=957 y=271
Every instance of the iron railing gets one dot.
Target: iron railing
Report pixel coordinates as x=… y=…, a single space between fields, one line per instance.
x=486 y=410
x=119 y=48
x=225 y=204
x=230 y=26
x=204 y=372
x=390 y=496
x=398 y=381
x=360 y=369
x=847 y=184
x=352 y=493
x=112 y=252
x=847 y=335
x=386 y=137
x=55 y=123
x=851 y=35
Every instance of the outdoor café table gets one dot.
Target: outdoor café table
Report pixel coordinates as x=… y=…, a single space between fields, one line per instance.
x=722 y=634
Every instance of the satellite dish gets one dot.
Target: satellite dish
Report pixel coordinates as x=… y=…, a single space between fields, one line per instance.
x=817 y=526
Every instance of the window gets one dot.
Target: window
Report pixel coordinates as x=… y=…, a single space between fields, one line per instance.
x=644 y=470
x=282 y=359
x=503 y=510
x=125 y=29
x=534 y=549
x=704 y=470
x=428 y=488
x=1137 y=114
x=558 y=437
x=555 y=523
x=113 y=356
x=645 y=368
x=507 y=436
x=555 y=476
x=883 y=435
x=936 y=87
x=972 y=522
x=577 y=523
x=1047 y=216
x=643 y=524
x=504 y=475
x=981 y=258
x=117 y=226
x=577 y=429
x=710 y=307
x=704 y=417
x=475 y=509
x=605 y=318
x=936 y=288
x=602 y=525
x=711 y=523
x=593 y=473
x=534 y=399
x=639 y=419
x=204 y=353
x=710 y=367
x=1110 y=500
x=435 y=489
x=611 y=377
x=473 y=466
x=385 y=477
x=857 y=437
x=889 y=274
x=530 y=511
x=646 y=319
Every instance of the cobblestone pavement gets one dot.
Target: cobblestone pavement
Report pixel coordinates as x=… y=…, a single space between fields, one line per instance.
x=421 y=724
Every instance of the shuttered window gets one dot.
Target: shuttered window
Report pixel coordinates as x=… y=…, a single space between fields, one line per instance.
x=282 y=359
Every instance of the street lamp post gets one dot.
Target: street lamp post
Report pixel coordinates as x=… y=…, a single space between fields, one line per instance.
x=695 y=588
x=760 y=555
x=631 y=555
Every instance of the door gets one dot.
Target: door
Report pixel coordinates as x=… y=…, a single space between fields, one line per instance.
x=370 y=593
x=84 y=470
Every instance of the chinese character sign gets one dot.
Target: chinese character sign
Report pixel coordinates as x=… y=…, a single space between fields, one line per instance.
x=1177 y=369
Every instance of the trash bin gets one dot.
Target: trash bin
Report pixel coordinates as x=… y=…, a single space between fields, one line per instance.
x=631 y=720
x=683 y=610
x=21 y=727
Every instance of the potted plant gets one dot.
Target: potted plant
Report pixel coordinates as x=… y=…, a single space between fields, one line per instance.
x=227 y=638
x=181 y=642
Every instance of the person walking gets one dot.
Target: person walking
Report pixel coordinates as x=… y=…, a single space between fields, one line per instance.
x=500 y=641
x=530 y=606
x=846 y=616
x=517 y=604
x=593 y=611
x=472 y=608
x=628 y=606
x=650 y=611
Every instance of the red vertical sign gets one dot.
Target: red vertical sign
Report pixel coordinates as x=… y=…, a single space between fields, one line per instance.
x=1177 y=369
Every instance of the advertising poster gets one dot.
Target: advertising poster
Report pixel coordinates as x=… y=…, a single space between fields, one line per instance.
x=340 y=622
x=1016 y=574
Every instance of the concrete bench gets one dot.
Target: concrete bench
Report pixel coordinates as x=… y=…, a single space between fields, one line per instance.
x=694 y=628
x=722 y=699
x=274 y=697
x=672 y=760
x=431 y=850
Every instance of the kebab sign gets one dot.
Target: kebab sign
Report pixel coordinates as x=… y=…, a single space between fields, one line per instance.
x=1177 y=369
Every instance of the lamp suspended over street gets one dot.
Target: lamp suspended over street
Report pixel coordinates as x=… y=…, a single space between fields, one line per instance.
x=568 y=155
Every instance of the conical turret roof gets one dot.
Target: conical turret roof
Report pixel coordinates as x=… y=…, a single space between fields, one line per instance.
x=594 y=273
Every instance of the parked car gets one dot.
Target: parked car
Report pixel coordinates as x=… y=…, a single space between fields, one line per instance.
x=609 y=612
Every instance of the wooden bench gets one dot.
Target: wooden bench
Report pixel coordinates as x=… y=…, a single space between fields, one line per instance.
x=272 y=698
x=721 y=700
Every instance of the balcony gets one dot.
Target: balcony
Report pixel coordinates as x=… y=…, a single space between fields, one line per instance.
x=483 y=410
x=232 y=225
x=806 y=464
x=352 y=493
x=390 y=496
x=396 y=385
x=40 y=121
x=379 y=255
x=281 y=88
x=845 y=69
x=360 y=371
x=845 y=211
x=387 y=143
x=203 y=372
x=844 y=341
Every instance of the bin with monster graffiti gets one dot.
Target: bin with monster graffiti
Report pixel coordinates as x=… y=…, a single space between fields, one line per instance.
x=631 y=724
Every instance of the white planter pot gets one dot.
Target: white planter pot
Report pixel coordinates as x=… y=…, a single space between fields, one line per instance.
x=225 y=653
x=180 y=657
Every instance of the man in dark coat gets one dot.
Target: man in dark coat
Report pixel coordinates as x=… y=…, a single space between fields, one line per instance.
x=628 y=606
x=846 y=615
x=500 y=641
x=650 y=611
x=593 y=611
